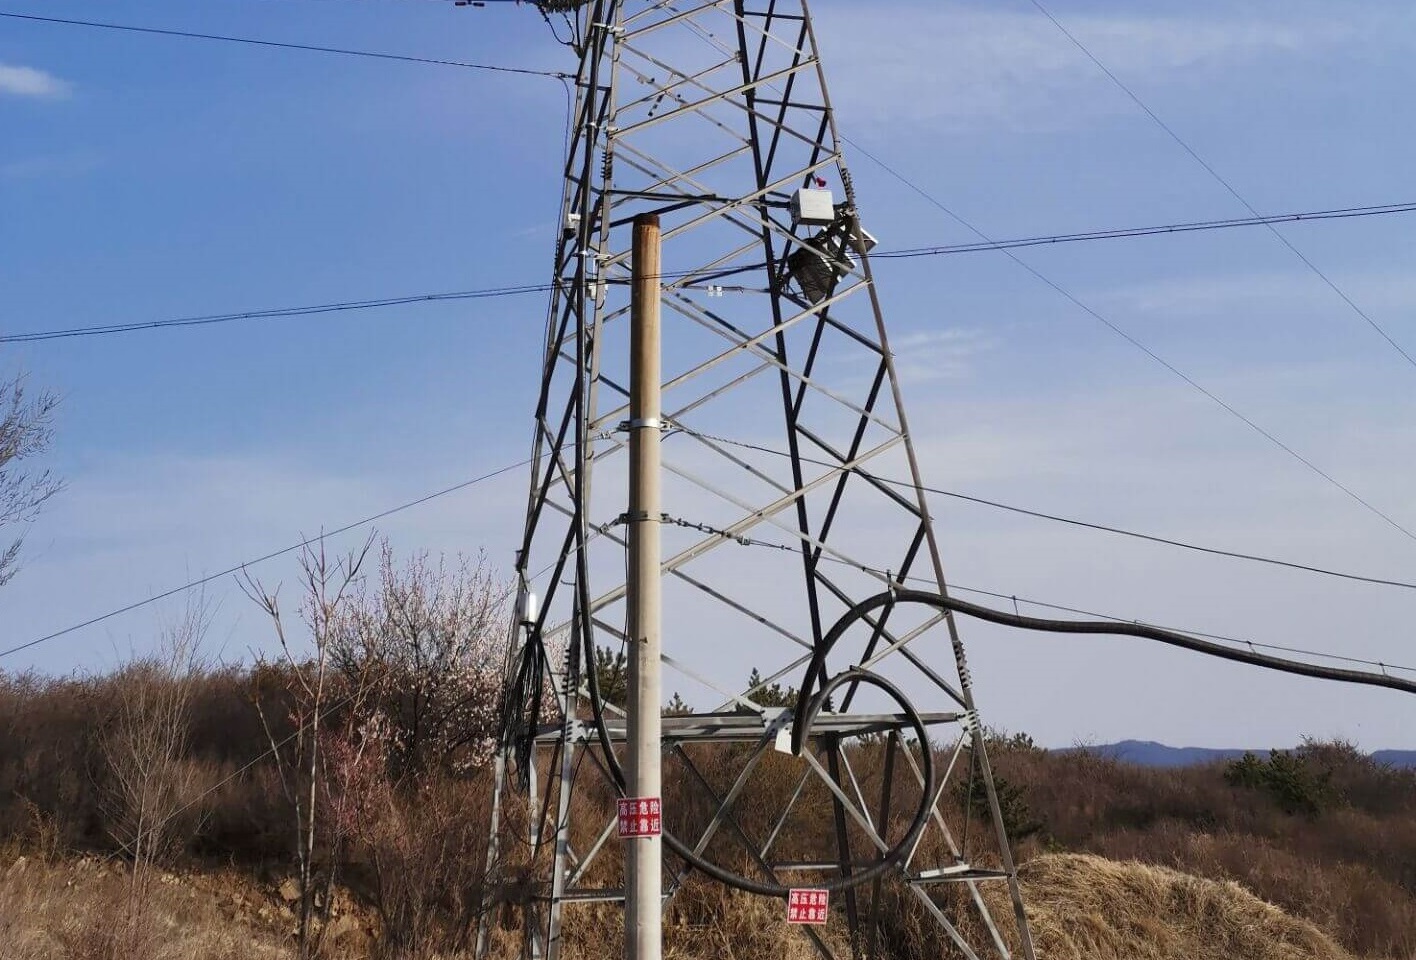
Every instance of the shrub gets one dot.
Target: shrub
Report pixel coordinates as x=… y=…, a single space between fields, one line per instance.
x=1287 y=778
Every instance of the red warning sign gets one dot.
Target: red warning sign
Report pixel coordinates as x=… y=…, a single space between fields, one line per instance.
x=640 y=817
x=807 y=906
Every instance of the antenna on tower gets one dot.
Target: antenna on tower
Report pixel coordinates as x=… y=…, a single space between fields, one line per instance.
x=867 y=794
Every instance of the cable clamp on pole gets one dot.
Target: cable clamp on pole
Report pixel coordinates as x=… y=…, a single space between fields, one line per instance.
x=661 y=424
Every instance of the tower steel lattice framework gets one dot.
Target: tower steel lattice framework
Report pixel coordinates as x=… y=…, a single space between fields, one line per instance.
x=791 y=491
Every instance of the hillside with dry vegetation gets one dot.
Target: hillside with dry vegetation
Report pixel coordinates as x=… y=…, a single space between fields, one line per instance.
x=333 y=802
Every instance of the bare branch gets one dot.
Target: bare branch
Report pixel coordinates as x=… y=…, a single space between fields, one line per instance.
x=26 y=430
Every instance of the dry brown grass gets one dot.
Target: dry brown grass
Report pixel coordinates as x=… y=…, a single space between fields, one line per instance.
x=81 y=910
x=1081 y=908
x=705 y=922
x=1351 y=869
x=1087 y=908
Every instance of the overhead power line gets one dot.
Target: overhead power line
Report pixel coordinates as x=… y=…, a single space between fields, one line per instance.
x=529 y=288
x=309 y=48
x=1070 y=521
x=1165 y=541
x=1115 y=328
x=1252 y=645
x=986 y=244
x=1125 y=233
x=1123 y=628
x=1238 y=641
x=237 y=568
x=275 y=313
x=1257 y=219
x=1218 y=178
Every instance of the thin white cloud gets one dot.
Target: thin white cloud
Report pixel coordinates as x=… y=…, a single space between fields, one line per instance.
x=970 y=66
x=1293 y=291
x=931 y=355
x=18 y=81
x=63 y=165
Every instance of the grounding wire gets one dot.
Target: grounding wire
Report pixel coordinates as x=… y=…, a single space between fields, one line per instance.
x=1071 y=521
x=271 y=751
x=269 y=556
x=311 y=48
x=1215 y=174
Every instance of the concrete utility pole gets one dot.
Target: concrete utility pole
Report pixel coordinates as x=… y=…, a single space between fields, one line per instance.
x=643 y=926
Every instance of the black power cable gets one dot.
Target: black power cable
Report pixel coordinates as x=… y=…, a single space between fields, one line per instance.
x=1126 y=233
x=816 y=668
x=269 y=556
x=807 y=712
x=1223 y=182
x=309 y=48
x=275 y=313
x=526 y=288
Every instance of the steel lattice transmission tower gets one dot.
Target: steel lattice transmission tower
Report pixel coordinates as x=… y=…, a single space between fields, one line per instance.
x=784 y=450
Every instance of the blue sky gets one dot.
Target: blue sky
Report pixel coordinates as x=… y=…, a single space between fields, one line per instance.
x=144 y=178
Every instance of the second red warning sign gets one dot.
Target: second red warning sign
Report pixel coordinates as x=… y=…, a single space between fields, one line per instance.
x=807 y=906
x=640 y=817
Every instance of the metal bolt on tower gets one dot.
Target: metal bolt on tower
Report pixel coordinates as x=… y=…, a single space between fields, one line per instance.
x=782 y=431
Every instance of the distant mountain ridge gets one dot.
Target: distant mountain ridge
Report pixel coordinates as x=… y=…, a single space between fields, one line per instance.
x=1148 y=753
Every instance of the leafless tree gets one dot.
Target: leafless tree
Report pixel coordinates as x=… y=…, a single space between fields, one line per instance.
x=143 y=740
x=25 y=430
x=312 y=693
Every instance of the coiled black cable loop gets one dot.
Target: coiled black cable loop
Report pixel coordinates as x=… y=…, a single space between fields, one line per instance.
x=808 y=709
x=890 y=858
